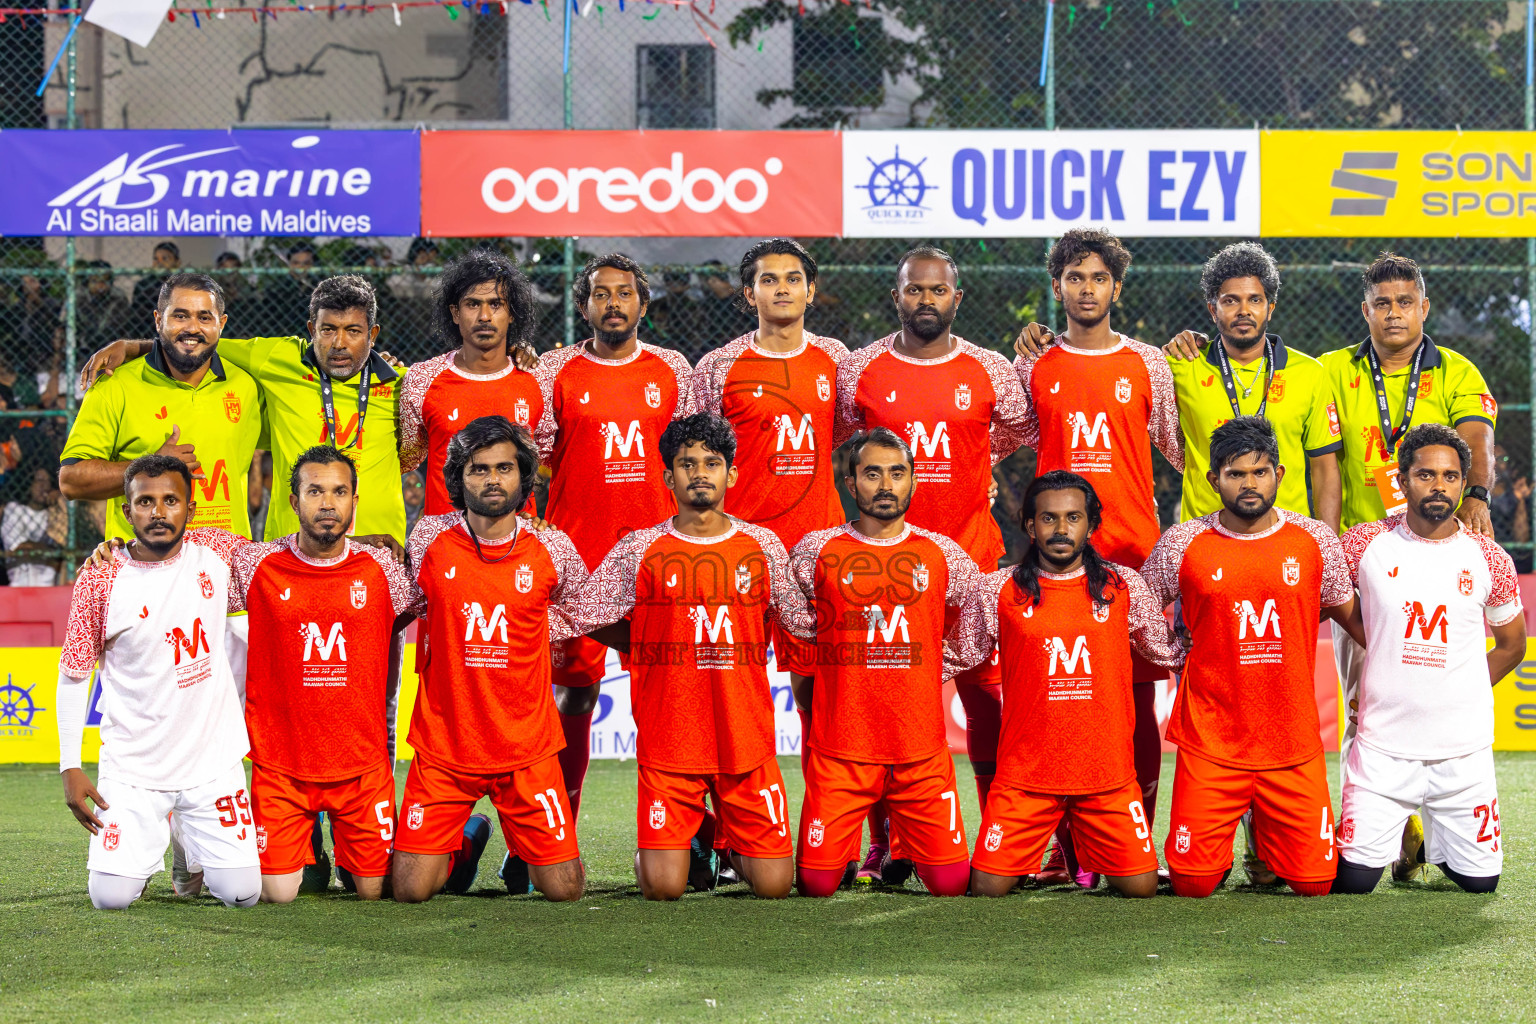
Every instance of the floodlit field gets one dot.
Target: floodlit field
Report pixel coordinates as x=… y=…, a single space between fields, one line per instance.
x=1418 y=952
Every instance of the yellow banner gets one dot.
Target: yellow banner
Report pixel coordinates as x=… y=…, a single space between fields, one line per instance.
x=1410 y=184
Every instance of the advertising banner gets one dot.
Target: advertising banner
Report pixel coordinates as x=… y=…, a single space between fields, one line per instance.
x=683 y=183
x=210 y=183
x=1037 y=184
x=1399 y=184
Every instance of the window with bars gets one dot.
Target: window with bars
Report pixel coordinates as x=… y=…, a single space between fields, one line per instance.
x=674 y=87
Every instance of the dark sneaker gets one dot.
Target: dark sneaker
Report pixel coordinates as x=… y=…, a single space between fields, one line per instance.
x=514 y=875
x=477 y=832
x=703 y=866
x=894 y=872
x=317 y=876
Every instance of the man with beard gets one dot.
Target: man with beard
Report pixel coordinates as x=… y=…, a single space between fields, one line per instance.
x=606 y=402
x=345 y=602
x=181 y=400
x=962 y=411
x=172 y=735
x=882 y=591
x=701 y=591
x=1253 y=580
x=485 y=723
x=1425 y=733
x=1065 y=622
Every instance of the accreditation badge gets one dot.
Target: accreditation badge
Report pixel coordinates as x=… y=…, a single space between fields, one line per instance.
x=1385 y=476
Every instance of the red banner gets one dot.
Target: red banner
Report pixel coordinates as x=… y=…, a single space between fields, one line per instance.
x=630 y=183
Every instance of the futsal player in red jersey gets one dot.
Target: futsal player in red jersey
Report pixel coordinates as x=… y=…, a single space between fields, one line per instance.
x=326 y=609
x=700 y=591
x=607 y=400
x=961 y=409
x=485 y=723
x=882 y=591
x=1253 y=581
x=1065 y=621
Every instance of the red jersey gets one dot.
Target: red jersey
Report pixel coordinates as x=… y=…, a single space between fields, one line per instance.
x=962 y=414
x=438 y=400
x=782 y=405
x=327 y=681
x=1091 y=412
x=880 y=609
x=699 y=610
x=1251 y=604
x=598 y=435
x=486 y=705
x=1068 y=713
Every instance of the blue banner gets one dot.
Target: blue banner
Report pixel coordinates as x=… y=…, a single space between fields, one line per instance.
x=227 y=183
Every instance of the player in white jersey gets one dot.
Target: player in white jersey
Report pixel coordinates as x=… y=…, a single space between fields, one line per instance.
x=1424 y=734
x=172 y=730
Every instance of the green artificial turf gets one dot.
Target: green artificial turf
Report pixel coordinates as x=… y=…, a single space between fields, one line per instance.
x=1420 y=952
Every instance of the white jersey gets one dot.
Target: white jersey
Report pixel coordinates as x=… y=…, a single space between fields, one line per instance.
x=170 y=713
x=1425 y=691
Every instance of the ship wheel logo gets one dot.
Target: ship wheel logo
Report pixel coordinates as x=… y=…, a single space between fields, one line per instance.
x=16 y=705
x=896 y=182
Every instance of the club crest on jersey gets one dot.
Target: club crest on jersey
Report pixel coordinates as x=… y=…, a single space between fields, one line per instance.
x=1464 y=583
x=658 y=815
x=743 y=579
x=653 y=394
x=359 y=594
x=414 y=815
x=1290 y=571
x=1123 y=390
x=520 y=411
x=994 y=837
x=1100 y=612
x=1277 y=389
x=1181 y=839
x=205 y=584
x=920 y=577
x=962 y=396
x=261 y=839
x=816 y=833
x=1333 y=419
x=111 y=836
x=823 y=388
x=232 y=406
x=523 y=579
x=1347 y=830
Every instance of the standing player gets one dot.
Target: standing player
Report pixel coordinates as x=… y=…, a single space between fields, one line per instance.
x=485 y=723
x=1095 y=397
x=606 y=402
x=882 y=590
x=1253 y=580
x=962 y=411
x=1065 y=622
x=327 y=608
x=1427 y=585
x=172 y=733
x=486 y=307
x=701 y=590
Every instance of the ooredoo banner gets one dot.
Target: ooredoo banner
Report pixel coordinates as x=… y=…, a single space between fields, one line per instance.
x=630 y=183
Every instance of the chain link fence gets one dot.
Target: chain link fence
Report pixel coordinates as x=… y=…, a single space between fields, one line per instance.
x=754 y=64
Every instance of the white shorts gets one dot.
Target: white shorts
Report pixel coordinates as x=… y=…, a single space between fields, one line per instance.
x=213 y=822
x=1459 y=796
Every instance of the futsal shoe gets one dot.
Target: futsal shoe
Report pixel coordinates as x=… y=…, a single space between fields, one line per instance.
x=726 y=875
x=894 y=871
x=186 y=880
x=317 y=876
x=1258 y=872
x=703 y=866
x=869 y=871
x=1055 y=870
x=514 y=875
x=477 y=832
x=1410 y=863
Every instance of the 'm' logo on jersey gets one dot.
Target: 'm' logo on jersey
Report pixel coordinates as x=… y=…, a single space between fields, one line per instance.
x=475 y=618
x=192 y=645
x=314 y=641
x=823 y=388
x=653 y=394
x=717 y=626
x=627 y=441
x=926 y=443
x=1464 y=583
x=796 y=436
x=1123 y=390
x=1290 y=571
x=920 y=577
x=111 y=836
x=359 y=594
x=1425 y=623
x=1086 y=435
x=1262 y=621
x=1066 y=661
x=522 y=579
x=215 y=485
x=743 y=579
x=962 y=397
x=658 y=815
x=205 y=584
x=887 y=627
x=520 y=411
x=816 y=833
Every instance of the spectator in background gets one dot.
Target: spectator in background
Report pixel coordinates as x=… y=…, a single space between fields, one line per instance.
x=411 y=298
x=35 y=315
x=1510 y=507
x=414 y=490
x=285 y=298
x=239 y=296
x=30 y=529
x=258 y=492
x=722 y=313
x=165 y=260
x=102 y=314
x=673 y=316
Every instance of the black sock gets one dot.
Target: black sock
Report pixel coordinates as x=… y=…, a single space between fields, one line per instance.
x=1354 y=880
x=1471 y=883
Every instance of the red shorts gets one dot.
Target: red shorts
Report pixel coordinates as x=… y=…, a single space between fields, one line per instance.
x=586 y=662
x=921 y=796
x=530 y=803
x=1292 y=818
x=750 y=810
x=1109 y=831
x=362 y=814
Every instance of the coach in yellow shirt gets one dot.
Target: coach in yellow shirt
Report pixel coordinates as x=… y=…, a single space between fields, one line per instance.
x=1252 y=373
x=183 y=400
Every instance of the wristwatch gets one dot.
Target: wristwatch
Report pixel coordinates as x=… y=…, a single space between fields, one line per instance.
x=1477 y=491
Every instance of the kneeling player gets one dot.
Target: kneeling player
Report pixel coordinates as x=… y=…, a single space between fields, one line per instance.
x=172 y=735
x=1253 y=579
x=1425 y=737
x=701 y=591
x=880 y=589
x=327 y=608
x=485 y=722
x=1066 y=622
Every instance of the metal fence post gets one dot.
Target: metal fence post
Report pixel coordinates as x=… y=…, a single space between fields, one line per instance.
x=71 y=331
x=1530 y=250
x=570 y=243
x=1050 y=126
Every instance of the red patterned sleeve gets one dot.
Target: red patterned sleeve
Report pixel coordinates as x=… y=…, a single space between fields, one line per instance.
x=1010 y=411
x=85 y=635
x=802 y=575
x=1151 y=635
x=1503 y=604
x=1029 y=429
x=411 y=438
x=422 y=535
x=403 y=592
x=1164 y=426
x=548 y=368
x=572 y=577
x=789 y=603
x=710 y=375
x=220 y=542
x=850 y=418
x=973 y=636
x=242 y=570
x=1338 y=586
x=609 y=593
x=1357 y=539
x=964 y=576
x=684 y=374
x=1160 y=572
